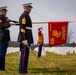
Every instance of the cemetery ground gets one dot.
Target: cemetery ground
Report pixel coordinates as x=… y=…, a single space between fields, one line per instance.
x=56 y=64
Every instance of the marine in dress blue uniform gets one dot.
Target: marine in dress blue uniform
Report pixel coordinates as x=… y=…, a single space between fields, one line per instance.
x=4 y=36
x=25 y=34
x=40 y=41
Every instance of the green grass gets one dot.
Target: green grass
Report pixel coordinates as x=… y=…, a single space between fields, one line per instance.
x=56 y=64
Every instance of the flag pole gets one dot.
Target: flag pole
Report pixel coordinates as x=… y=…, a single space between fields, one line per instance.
x=40 y=22
x=51 y=21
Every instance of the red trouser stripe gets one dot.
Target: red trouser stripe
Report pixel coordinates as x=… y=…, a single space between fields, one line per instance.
x=24 y=56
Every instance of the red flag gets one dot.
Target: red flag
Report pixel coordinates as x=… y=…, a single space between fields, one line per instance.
x=57 y=33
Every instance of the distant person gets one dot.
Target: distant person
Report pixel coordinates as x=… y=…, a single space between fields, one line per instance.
x=4 y=36
x=25 y=37
x=40 y=41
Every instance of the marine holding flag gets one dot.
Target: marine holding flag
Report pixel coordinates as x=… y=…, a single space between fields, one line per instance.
x=40 y=41
x=25 y=37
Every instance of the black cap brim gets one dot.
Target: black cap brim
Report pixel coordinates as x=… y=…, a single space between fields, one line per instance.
x=5 y=9
x=30 y=6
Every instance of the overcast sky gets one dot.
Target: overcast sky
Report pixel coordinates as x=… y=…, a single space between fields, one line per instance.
x=43 y=10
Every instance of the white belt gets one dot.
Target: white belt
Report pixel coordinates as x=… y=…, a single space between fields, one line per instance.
x=29 y=28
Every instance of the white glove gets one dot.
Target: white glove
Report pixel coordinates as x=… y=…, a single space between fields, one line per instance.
x=24 y=42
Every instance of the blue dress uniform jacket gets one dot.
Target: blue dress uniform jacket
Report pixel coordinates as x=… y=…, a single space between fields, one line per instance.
x=25 y=28
x=4 y=32
x=25 y=34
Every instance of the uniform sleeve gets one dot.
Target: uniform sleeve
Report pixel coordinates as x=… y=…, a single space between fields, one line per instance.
x=39 y=38
x=23 y=27
x=7 y=23
x=4 y=25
